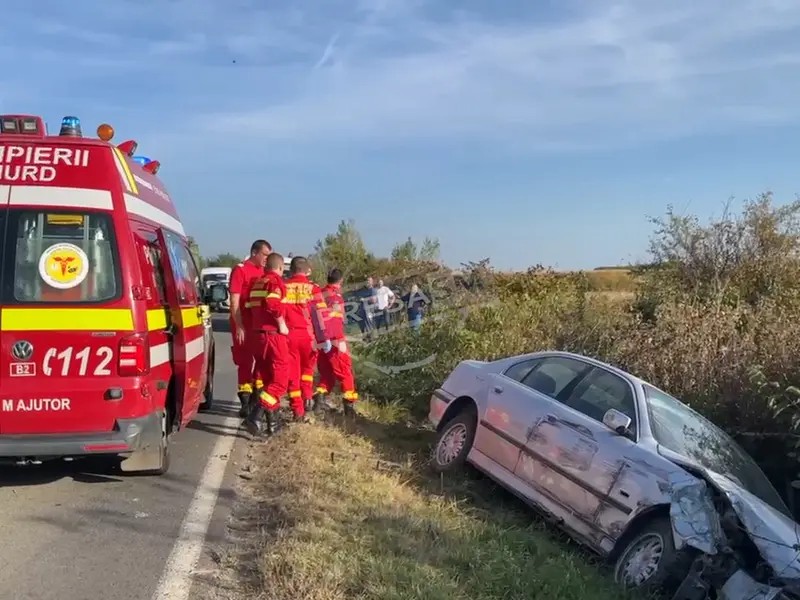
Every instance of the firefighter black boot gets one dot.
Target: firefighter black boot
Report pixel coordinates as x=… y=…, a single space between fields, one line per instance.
x=253 y=421
x=349 y=409
x=318 y=402
x=309 y=405
x=244 y=400
x=271 y=419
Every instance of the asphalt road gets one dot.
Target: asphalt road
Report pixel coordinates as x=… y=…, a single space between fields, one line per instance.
x=81 y=532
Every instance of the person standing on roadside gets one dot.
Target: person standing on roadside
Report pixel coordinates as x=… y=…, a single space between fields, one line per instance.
x=416 y=303
x=242 y=277
x=366 y=308
x=335 y=365
x=303 y=304
x=272 y=344
x=384 y=298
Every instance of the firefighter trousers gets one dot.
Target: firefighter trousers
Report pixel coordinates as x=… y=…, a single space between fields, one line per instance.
x=337 y=367
x=274 y=367
x=243 y=359
x=301 y=377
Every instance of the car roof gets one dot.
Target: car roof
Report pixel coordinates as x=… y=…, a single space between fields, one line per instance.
x=582 y=357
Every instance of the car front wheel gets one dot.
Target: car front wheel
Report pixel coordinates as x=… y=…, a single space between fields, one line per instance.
x=650 y=561
x=454 y=442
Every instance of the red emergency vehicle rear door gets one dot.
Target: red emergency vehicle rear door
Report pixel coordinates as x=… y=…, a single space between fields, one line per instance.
x=187 y=325
x=64 y=317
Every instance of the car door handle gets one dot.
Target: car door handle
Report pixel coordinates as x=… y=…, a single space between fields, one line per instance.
x=551 y=418
x=497 y=389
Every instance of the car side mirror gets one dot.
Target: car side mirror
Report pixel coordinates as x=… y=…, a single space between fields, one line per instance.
x=217 y=294
x=617 y=422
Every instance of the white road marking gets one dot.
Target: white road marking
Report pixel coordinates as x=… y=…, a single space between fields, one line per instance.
x=176 y=580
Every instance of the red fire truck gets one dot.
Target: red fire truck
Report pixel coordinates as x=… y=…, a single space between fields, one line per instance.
x=105 y=337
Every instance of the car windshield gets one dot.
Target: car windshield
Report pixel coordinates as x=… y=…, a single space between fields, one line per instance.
x=211 y=277
x=680 y=429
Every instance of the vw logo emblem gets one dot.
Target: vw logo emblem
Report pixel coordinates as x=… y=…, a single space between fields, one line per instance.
x=22 y=350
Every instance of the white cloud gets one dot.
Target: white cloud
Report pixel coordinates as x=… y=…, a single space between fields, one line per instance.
x=336 y=73
x=610 y=74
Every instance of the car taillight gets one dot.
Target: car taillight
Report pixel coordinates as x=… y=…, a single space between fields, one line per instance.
x=134 y=355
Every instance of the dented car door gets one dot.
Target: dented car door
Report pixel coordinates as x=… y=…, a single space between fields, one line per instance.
x=573 y=458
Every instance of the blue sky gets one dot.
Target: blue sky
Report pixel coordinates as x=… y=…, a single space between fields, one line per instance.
x=528 y=132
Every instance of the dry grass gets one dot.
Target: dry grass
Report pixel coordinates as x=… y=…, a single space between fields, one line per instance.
x=611 y=280
x=345 y=510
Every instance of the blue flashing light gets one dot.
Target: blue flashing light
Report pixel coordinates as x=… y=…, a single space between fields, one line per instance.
x=142 y=160
x=71 y=126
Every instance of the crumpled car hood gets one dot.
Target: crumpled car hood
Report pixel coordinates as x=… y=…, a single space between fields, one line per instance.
x=696 y=523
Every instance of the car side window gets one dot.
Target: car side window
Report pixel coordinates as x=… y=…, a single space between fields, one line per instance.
x=600 y=391
x=519 y=370
x=552 y=375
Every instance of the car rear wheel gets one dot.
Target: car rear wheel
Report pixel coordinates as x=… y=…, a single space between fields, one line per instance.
x=454 y=442
x=649 y=561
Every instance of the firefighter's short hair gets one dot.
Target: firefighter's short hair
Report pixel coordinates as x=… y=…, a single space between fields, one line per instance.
x=258 y=246
x=299 y=264
x=335 y=276
x=275 y=262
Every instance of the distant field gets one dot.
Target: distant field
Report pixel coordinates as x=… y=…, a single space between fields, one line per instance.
x=611 y=279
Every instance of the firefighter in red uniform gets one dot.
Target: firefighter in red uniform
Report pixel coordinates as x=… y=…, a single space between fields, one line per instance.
x=271 y=337
x=242 y=277
x=336 y=364
x=306 y=331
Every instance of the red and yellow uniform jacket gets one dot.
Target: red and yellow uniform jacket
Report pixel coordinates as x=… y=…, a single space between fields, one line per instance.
x=303 y=303
x=269 y=292
x=243 y=276
x=335 y=313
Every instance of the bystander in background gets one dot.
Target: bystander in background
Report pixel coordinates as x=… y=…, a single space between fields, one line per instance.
x=384 y=298
x=416 y=303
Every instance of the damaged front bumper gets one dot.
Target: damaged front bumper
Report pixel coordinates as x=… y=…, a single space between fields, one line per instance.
x=704 y=512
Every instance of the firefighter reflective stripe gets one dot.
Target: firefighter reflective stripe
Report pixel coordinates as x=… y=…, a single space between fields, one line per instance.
x=307 y=378
x=273 y=295
x=321 y=389
x=258 y=293
x=66 y=319
x=251 y=304
x=334 y=314
x=321 y=305
x=295 y=394
x=259 y=383
x=246 y=388
x=350 y=396
x=268 y=399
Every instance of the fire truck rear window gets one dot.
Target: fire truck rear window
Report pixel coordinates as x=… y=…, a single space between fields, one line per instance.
x=65 y=257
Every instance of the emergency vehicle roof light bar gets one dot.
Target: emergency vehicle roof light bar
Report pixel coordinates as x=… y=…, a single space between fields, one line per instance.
x=71 y=127
x=128 y=147
x=22 y=124
x=151 y=166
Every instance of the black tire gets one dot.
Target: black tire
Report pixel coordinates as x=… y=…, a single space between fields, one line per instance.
x=458 y=433
x=208 y=394
x=668 y=566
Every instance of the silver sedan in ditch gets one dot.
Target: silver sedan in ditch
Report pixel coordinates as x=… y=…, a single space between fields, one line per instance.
x=623 y=467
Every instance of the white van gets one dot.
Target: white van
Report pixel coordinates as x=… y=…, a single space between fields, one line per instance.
x=217 y=276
